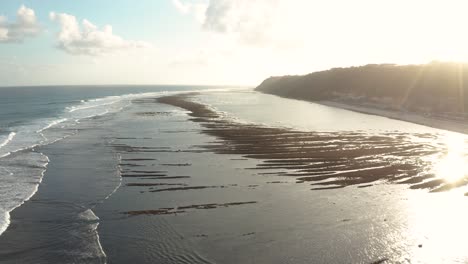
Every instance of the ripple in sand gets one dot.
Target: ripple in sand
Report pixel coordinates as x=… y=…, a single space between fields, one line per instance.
x=328 y=160
x=183 y=209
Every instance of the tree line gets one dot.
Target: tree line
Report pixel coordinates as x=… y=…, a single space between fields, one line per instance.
x=433 y=88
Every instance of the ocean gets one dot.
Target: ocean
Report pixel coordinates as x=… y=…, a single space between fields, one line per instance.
x=111 y=174
x=35 y=116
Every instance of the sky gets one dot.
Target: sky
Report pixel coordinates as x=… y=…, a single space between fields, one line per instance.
x=218 y=42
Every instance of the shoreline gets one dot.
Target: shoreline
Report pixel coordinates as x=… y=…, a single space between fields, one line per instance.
x=58 y=223
x=309 y=157
x=437 y=123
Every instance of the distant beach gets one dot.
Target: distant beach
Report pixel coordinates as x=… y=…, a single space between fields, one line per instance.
x=459 y=126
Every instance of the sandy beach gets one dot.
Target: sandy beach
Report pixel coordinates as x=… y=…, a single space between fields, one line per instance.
x=459 y=126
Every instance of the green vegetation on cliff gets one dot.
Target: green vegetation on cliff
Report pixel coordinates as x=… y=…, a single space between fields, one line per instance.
x=434 y=88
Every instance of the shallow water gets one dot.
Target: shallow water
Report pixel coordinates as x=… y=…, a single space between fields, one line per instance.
x=251 y=106
x=288 y=223
x=37 y=116
x=188 y=195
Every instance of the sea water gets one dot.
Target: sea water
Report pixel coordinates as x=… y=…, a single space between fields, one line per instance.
x=36 y=116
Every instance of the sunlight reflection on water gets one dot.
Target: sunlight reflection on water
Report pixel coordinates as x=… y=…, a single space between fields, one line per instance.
x=428 y=224
x=452 y=165
x=437 y=227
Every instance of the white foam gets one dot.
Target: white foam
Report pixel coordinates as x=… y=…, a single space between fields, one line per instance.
x=8 y=139
x=119 y=174
x=53 y=123
x=88 y=216
x=25 y=137
x=24 y=173
x=93 y=103
x=88 y=241
x=22 y=169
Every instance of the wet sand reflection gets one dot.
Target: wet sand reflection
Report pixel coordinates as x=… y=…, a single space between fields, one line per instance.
x=335 y=159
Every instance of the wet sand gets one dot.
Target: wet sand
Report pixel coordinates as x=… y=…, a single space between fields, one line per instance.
x=182 y=209
x=232 y=192
x=328 y=160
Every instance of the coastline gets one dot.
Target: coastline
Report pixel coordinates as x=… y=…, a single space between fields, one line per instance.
x=196 y=186
x=59 y=223
x=434 y=122
x=308 y=156
x=230 y=171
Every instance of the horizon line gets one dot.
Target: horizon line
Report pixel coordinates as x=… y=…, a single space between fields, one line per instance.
x=103 y=85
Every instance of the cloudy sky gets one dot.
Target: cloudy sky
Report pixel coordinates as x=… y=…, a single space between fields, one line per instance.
x=234 y=42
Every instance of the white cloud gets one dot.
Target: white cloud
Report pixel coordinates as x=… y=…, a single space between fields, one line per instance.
x=250 y=20
x=26 y=25
x=359 y=27
x=89 y=39
x=184 y=8
x=195 y=9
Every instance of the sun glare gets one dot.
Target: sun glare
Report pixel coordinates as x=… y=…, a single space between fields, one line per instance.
x=452 y=166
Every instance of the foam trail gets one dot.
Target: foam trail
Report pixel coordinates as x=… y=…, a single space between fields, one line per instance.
x=90 y=241
x=22 y=169
x=89 y=104
x=21 y=184
x=8 y=139
x=53 y=123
